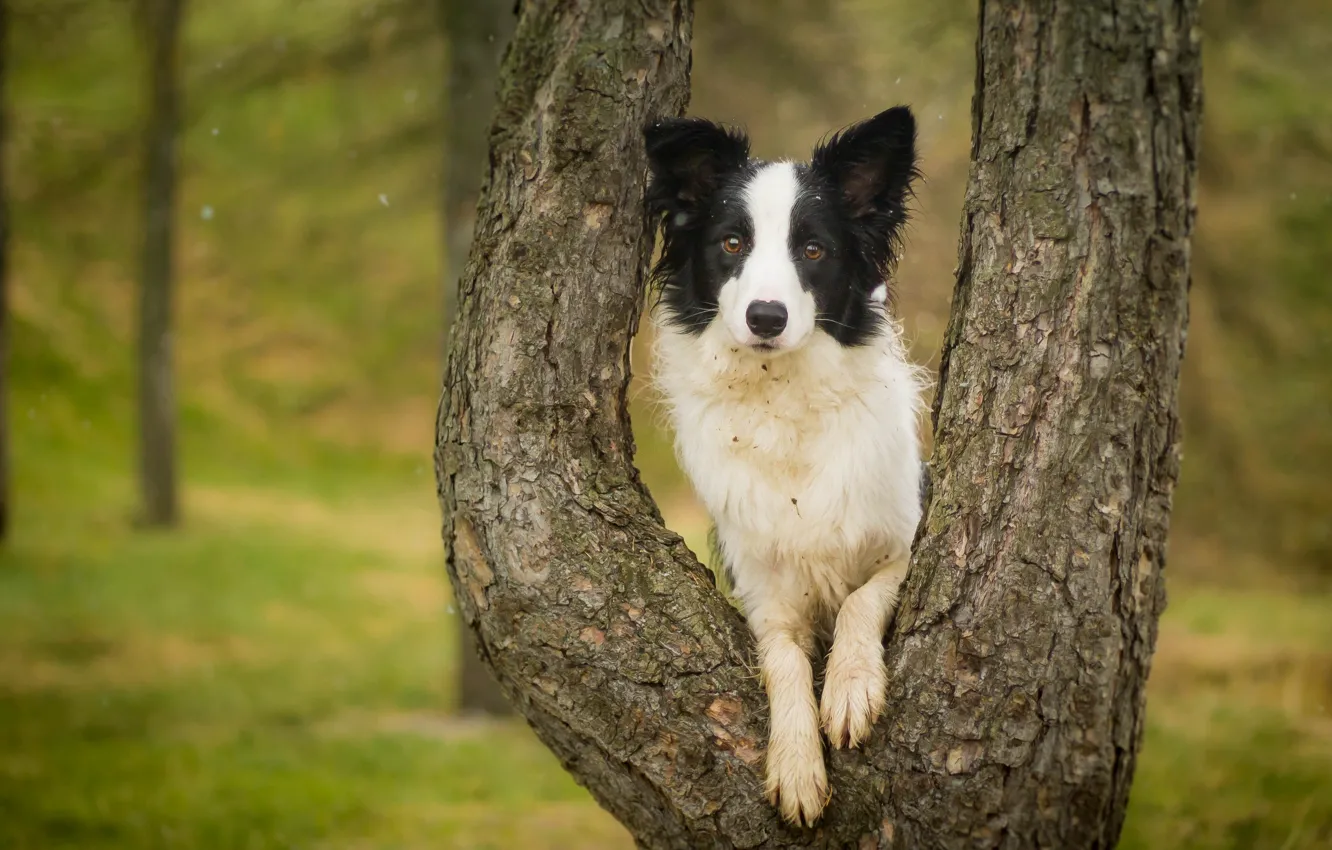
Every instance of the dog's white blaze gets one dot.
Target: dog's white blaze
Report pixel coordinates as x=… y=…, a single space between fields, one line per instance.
x=768 y=273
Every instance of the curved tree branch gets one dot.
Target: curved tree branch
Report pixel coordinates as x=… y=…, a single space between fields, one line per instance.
x=1023 y=642
x=600 y=625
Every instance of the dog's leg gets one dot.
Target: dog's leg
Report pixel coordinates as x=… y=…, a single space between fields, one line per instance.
x=797 y=783
x=856 y=677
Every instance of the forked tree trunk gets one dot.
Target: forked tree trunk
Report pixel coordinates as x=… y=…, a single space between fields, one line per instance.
x=476 y=32
x=1020 y=654
x=157 y=405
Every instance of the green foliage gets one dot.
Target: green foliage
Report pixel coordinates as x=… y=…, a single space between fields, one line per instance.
x=1258 y=373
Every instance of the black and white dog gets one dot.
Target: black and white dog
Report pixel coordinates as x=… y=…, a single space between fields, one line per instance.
x=795 y=408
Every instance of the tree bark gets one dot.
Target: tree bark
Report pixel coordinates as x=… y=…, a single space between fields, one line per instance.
x=4 y=284
x=1025 y=635
x=477 y=31
x=157 y=406
x=1018 y=667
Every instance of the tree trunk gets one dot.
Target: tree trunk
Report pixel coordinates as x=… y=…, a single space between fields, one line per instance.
x=477 y=32
x=1025 y=635
x=157 y=407
x=4 y=285
x=1018 y=667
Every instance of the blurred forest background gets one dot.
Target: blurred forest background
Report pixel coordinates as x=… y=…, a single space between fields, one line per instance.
x=280 y=669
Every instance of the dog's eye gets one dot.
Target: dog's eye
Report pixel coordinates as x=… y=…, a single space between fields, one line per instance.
x=733 y=244
x=813 y=251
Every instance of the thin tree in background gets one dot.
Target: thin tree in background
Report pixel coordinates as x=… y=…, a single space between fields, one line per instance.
x=476 y=33
x=1019 y=656
x=160 y=20
x=4 y=288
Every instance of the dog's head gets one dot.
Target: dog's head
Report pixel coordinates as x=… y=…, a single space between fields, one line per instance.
x=778 y=251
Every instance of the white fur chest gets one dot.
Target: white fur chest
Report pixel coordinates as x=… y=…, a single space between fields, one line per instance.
x=808 y=462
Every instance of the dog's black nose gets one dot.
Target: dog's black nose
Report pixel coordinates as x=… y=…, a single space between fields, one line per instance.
x=766 y=319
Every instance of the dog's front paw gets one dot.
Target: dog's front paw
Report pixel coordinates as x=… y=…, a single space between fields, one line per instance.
x=797 y=783
x=853 y=692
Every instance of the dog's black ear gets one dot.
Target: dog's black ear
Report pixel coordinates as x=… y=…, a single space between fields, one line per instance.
x=688 y=158
x=873 y=163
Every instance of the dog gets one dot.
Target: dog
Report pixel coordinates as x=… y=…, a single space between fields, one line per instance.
x=795 y=408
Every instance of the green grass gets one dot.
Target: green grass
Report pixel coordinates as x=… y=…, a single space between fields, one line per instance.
x=275 y=674
x=1238 y=749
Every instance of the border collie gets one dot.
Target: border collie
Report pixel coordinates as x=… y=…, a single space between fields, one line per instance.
x=795 y=408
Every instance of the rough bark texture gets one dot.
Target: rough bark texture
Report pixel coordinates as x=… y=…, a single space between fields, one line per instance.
x=4 y=286
x=1019 y=664
x=476 y=31
x=157 y=406
x=1021 y=651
